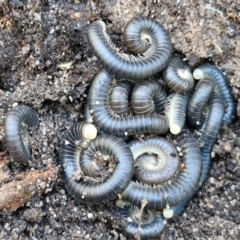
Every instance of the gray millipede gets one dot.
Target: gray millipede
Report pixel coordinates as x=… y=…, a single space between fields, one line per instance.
x=179 y=187
x=157 y=168
x=16 y=134
x=150 y=228
x=178 y=76
x=198 y=101
x=210 y=130
x=119 y=97
x=155 y=48
x=90 y=189
x=175 y=110
x=212 y=124
x=105 y=118
x=222 y=87
x=148 y=97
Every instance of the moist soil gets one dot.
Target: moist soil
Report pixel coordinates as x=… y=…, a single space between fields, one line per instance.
x=37 y=37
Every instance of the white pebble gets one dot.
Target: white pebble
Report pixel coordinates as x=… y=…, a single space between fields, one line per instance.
x=90 y=215
x=212 y=180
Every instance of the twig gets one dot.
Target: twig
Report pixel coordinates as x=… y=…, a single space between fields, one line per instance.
x=18 y=192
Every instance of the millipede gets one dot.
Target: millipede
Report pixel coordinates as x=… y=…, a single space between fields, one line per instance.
x=210 y=130
x=16 y=133
x=174 y=191
x=176 y=111
x=93 y=190
x=198 y=101
x=156 y=160
x=222 y=87
x=178 y=76
x=147 y=40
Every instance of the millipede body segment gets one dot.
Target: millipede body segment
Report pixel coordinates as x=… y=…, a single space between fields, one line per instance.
x=16 y=134
x=148 y=97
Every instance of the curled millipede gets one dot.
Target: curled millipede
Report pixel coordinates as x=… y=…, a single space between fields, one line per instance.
x=119 y=97
x=179 y=187
x=158 y=167
x=210 y=130
x=148 y=97
x=109 y=122
x=222 y=87
x=143 y=36
x=176 y=111
x=16 y=133
x=151 y=227
x=178 y=76
x=199 y=100
x=90 y=189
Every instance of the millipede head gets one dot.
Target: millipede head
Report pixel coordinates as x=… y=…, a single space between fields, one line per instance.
x=168 y=213
x=198 y=74
x=175 y=129
x=89 y=131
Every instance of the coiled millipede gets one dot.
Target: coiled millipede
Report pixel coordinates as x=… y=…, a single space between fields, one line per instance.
x=81 y=169
x=176 y=188
x=144 y=37
x=178 y=76
x=16 y=133
x=156 y=160
x=148 y=97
